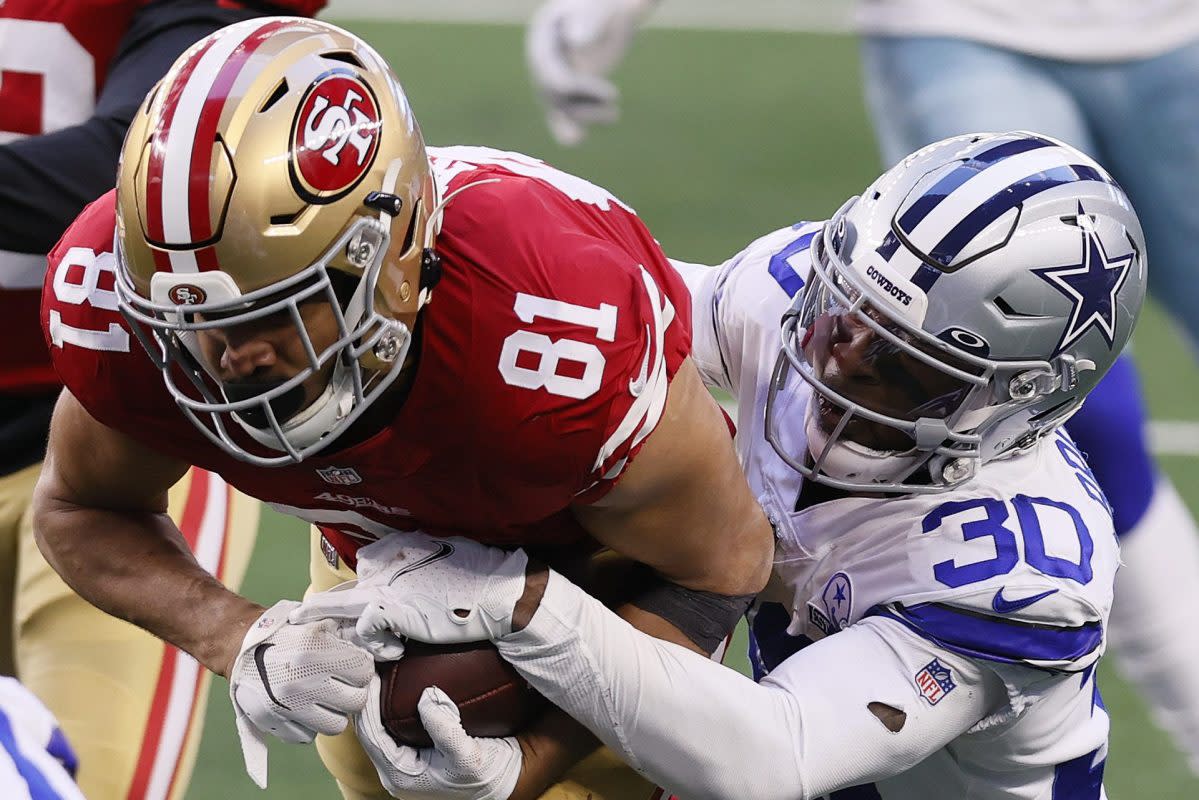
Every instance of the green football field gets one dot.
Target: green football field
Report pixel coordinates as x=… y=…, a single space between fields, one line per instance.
x=725 y=136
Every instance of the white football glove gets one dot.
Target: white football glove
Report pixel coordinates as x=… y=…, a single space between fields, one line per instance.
x=294 y=681
x=572 y=46
x=457 y=767
x=444 y=591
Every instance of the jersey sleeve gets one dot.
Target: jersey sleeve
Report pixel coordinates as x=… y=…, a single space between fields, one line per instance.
x=736 y=307
x=37 y=747
x=960 y=627
x=589 y=364
x=707 y=349
x=92 y=349
x=1013 y=579
x=704 y=730
x=576 y=333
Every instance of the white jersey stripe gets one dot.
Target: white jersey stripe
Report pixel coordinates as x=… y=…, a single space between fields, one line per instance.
x=648 y=406
x=182 y=697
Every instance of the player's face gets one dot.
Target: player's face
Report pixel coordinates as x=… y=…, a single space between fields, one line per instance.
x=251 y=357
x=856 y=362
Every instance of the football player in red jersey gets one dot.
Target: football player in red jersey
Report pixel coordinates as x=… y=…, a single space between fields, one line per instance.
x=72 y=75
x=373 y=337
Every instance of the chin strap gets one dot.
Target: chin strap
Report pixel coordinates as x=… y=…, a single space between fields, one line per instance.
x=430 y=262
x=849 y=461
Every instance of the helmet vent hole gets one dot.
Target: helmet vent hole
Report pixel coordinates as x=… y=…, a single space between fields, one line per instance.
x=1008 y=311
x=285 y=219
x=276 y=96
x=410 y=234
x=1049 y=412
x=345 y=58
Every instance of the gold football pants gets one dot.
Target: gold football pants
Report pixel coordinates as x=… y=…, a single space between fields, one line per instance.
x=131 y=707
x=602 y=776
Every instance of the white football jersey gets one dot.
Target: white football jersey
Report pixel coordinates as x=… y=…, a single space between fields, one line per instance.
x=1013 y=570
x=1067 y=30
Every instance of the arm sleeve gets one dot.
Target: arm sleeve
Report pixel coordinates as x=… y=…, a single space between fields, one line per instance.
x=709 y=733
x=48 y=179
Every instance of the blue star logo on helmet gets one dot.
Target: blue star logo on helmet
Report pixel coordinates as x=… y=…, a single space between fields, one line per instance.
x=1090 y=286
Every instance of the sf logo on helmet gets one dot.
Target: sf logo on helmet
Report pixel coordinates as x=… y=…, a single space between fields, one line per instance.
x=187 y=295
x=334 y=137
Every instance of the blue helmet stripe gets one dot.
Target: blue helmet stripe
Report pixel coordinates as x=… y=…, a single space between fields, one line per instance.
x=889 y=246
x=926 y=276
x=968 y=169
x=1003 y=201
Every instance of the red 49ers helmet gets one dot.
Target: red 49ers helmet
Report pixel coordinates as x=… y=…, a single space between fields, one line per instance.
x=277 y=162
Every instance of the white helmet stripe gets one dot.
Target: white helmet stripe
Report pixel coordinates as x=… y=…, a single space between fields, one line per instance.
x=974 y=192
x=183 y=261
x=176 y=216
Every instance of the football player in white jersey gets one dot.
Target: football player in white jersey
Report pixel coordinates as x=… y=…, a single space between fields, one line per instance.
x=1084 y=71
x=945 y=558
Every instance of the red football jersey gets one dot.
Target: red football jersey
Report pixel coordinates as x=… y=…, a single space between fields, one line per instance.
x=54 y=57
x=545 y=356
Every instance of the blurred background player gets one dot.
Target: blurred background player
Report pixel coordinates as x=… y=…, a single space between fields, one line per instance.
x=36 y=760
x=1114 y=79
x=72 y=74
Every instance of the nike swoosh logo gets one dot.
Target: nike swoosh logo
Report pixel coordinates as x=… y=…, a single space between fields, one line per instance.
x=637 y=385
x=1003 y=606
x=260 y=663
x=444 y=550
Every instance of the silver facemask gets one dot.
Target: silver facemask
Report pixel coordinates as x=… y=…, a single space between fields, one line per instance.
x=893 y=408
x=183 y=305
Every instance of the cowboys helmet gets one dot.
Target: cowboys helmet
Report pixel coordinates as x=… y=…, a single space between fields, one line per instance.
x=277 y=162
x=988 y=282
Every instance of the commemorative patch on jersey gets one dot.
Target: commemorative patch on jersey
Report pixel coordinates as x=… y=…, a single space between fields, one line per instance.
x=835 y=608
x=935 y=681
x=334 y=137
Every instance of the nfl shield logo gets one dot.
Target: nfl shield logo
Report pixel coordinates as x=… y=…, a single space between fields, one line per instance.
x=935 y=681
x=342 y=476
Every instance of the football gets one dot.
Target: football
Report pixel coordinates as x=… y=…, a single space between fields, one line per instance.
x=492 y=696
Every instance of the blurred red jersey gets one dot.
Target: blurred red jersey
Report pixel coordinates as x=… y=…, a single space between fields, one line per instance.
x=54 y=58
x=544 y=361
